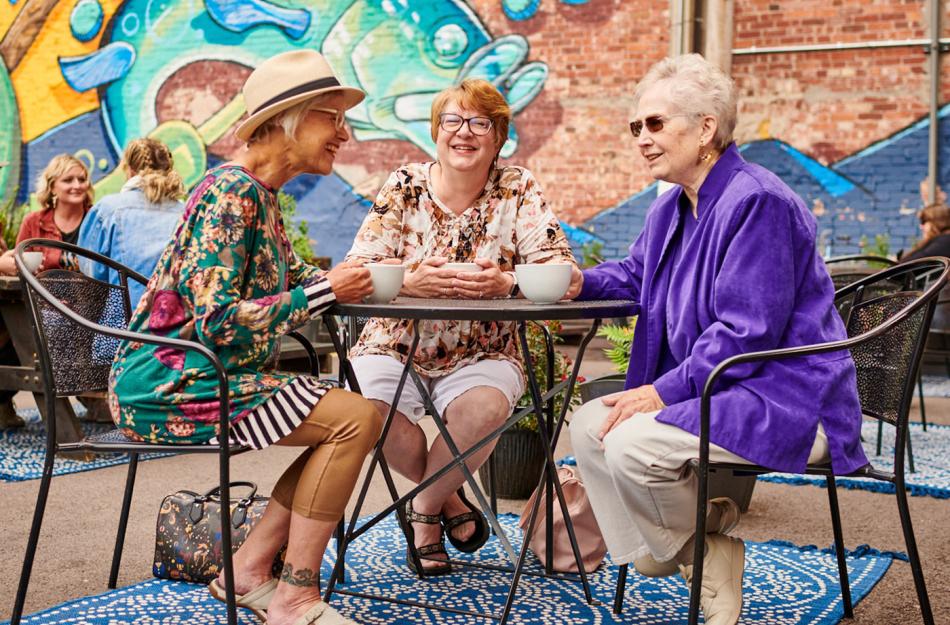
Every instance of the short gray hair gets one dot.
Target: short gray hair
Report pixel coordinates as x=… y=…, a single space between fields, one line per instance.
x=289 y=119
x=698 y=87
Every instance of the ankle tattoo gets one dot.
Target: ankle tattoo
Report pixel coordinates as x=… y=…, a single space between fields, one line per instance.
x=301 y=577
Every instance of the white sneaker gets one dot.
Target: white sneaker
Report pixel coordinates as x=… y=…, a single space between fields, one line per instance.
x=723 y=566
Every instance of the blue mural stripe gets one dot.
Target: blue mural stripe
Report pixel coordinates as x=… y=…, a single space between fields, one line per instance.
x=832 y=182
x=97 y=68
x=923 y=124
x=579 y=235
x=240 y=15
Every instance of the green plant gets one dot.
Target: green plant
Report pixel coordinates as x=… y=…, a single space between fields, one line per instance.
x=297 y=233
x=592 y=253
x=620 y=338
x=562 y=369
x=881 y=246
x=11 y=216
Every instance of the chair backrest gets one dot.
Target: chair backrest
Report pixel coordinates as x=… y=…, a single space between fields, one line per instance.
x=76 y=359
x=79 y=358
x=887 y=363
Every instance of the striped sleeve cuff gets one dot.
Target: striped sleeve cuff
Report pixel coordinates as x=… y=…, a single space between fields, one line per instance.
x=319 y=296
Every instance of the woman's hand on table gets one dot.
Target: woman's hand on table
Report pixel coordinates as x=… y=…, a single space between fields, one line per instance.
x=350 y=281
x=628 y=403
x=577 y=283
x=429 y=279
x=488 y=283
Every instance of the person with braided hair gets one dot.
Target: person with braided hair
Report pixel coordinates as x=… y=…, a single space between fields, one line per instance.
x=135 y=225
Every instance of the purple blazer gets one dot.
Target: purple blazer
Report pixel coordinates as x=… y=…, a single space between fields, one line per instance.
x=749 y=279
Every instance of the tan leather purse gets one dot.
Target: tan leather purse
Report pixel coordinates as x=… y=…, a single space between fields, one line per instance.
x=589 y=539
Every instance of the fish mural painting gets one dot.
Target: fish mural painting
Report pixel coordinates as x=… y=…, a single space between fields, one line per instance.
x=401 y=52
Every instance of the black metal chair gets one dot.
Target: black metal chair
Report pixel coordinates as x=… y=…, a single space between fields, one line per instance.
x=845 y=270
x=857 y=267
x=886 y=339
x=79 y=323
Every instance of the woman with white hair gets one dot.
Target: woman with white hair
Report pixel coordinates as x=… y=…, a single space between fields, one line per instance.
x=231 y=280
x=726 y=264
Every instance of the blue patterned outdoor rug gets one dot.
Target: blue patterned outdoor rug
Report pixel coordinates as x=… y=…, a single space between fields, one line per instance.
x=931 y=461
x=936 y=386
x=23 y=450
x=784 y=585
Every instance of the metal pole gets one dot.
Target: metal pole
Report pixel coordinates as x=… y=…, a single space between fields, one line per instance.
x=933 y=66
x=832 y=47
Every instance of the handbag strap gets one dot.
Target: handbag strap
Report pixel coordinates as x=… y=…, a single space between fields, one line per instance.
x=240 y=513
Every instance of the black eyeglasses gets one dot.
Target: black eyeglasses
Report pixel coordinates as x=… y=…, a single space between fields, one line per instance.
x=450 y=122
x=653 y=123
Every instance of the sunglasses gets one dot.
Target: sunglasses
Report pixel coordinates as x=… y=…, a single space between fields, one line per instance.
x=653 y=123
x=339 y=116
x=450 y=122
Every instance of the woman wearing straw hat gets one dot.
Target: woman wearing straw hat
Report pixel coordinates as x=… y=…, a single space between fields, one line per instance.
x=230 y=279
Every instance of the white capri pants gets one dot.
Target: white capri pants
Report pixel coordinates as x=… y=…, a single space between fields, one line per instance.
x=378 y=377
x=642 y=467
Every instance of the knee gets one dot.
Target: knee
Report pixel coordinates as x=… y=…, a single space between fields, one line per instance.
x=483 y=409
x=365 y=420
x=585 y=424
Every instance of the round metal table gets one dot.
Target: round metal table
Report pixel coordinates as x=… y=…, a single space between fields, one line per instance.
x=516 y=310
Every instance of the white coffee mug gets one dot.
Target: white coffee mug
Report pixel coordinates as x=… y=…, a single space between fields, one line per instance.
x=387 y=280
x=32 y=260
x=544 y=283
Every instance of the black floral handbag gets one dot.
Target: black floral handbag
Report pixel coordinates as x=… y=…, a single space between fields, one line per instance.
x=187 y=539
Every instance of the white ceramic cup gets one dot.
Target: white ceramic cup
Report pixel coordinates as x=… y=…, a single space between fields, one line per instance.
x=456 y=267
x=387 y=280
x=544 y=283
x=32 y=260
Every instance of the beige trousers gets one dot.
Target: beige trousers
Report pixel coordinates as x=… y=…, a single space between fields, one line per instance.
x=642 y=492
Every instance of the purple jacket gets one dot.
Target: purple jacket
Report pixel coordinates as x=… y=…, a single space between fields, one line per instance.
x=749 y=279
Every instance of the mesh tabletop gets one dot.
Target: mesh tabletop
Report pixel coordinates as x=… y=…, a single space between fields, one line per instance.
x=487 y=310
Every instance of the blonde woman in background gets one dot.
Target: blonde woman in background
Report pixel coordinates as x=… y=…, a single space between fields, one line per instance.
x=135 y=225
x=64 y=194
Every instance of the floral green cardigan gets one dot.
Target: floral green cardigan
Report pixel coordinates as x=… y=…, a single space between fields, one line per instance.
x=230 y=280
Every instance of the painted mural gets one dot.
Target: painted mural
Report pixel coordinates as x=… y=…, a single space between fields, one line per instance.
x=89 y=75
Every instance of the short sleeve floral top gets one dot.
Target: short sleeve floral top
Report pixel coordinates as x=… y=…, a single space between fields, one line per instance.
x=230 y=280
x=509 y=223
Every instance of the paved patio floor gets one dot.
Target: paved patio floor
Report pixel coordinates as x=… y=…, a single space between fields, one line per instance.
x=78 y=534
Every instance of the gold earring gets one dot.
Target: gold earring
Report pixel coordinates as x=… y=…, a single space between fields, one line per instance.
x=704 y=156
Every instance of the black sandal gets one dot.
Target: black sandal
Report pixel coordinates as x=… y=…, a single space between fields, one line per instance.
x=478 y=538
x=425 y=550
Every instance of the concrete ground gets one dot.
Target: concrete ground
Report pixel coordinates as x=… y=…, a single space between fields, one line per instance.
x=78 y=533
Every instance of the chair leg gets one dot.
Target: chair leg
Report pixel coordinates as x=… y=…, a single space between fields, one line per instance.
x=880 y=435
x=492 y=486
x=912 y=554
x=839 y=547
x=621 y=587
x=920 y=394
x=910 y=453
x=226 y=555
x=33 y=539
x=338 y=536
x=123 y=519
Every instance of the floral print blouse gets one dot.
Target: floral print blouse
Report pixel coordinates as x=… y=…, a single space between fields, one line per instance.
x=509 y=223
x=230 y=280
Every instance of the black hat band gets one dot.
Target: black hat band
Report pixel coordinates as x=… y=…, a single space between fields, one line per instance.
x=313 y=85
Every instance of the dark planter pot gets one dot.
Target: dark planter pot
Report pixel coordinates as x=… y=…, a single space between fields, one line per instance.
x=519 y=458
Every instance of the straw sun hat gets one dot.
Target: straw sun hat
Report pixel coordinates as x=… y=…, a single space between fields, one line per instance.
x=288 y=79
